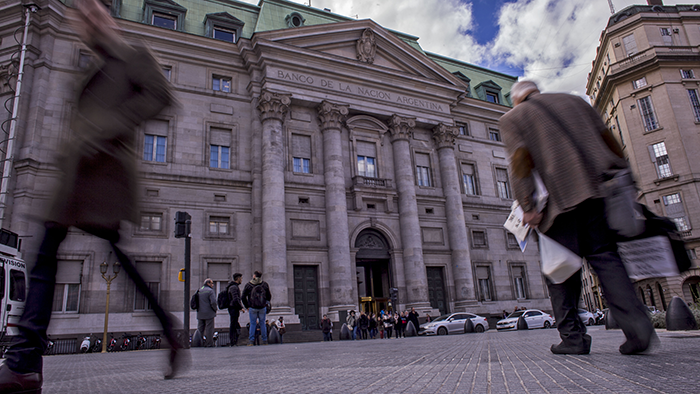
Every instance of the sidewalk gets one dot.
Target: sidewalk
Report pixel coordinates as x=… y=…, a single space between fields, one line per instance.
x=493 y=362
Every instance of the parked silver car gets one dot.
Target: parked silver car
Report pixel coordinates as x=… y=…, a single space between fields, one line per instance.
x=535 y=318
x=586 y=317
x=453 y=323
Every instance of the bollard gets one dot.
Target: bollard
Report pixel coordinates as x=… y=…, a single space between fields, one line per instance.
x=468 y=326
x=610 y=323
x=197 y=339
x=273 y=337
x=411 y=330
x=679 y=317
x=345 y=333
x=522 y=323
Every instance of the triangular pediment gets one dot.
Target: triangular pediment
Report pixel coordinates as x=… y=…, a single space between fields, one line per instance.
x=366 y=43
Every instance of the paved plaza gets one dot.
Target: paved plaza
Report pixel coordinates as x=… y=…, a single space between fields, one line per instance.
x=493 y=362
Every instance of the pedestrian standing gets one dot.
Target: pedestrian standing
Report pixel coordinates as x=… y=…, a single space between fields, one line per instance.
x=363 y=322
x=256 y=296
x=388 y=325
x=372 y=326
x=281 y=328
x=564 y=140
x=206 y=312
x=326 y=326
x=351 y=322
x=413 y=318
x=99 y=185
x=235 y=308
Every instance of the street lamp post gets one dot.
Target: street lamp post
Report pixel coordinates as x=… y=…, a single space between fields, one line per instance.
x=103 y=269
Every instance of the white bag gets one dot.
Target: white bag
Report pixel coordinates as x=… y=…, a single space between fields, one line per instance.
x=558 y=262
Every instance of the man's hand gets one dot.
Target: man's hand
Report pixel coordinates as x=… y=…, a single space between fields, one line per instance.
x=532 y=218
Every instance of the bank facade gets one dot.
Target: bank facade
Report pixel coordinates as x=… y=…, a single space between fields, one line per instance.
x=336 y=156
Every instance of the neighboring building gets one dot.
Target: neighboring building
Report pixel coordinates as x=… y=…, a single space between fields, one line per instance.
x=646 y=83
x=336 y=156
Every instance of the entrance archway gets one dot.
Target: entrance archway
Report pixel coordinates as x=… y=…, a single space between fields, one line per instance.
x=373 y=269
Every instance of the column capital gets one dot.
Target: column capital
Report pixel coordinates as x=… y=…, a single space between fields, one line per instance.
x=444 y=135
x=401 y=128
x=273 y=105
x=331 y=115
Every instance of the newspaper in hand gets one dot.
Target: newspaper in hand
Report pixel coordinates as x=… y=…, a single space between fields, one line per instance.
x=515 y=225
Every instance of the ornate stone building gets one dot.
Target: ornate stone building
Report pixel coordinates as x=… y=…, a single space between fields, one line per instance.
x=645 y=82
x=334 y=155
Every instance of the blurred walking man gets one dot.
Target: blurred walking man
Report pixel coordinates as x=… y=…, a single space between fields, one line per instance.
x=98 y=188
x=565 y=141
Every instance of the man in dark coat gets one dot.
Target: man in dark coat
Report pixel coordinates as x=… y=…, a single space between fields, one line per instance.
x=98 y=186
x=206 y=312
x=235 y=308
x=413 y=318
x=563 y=138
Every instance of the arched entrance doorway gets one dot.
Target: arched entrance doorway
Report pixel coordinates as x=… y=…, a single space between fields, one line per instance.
x=373 y=263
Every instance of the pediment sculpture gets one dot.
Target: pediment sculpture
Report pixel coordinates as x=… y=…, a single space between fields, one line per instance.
x=366 y=47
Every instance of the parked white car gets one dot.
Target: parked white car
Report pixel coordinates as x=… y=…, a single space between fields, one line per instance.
x=586 y=317
x=453 y=323
x=535 y=318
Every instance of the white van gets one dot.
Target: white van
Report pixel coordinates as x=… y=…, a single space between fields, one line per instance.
x=13 y=287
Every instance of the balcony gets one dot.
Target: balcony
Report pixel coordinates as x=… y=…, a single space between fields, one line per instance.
x=372 y=182
x=650 y=53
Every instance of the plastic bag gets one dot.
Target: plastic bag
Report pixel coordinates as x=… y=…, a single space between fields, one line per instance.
x=558 y=262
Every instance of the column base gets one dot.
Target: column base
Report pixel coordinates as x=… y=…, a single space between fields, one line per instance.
x=286 y=312
x=465 y=305
x=334 y=311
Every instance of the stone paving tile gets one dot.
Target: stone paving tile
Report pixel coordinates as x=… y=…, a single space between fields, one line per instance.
x=493 y=362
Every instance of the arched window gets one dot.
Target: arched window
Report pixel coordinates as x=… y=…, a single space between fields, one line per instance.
x=661 y=295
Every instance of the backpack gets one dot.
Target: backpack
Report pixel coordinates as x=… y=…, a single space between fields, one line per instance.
x=223 y=300
x=257 y=297
x=194 y=301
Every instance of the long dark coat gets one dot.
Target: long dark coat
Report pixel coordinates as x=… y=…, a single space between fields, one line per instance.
x=99 y=184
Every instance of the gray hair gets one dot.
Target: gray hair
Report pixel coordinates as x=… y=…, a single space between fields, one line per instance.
x=520 y=90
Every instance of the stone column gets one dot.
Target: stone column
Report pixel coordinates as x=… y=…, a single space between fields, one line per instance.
x=414 y=269
x=273 y=107
x=456 y=227
x=331 y=117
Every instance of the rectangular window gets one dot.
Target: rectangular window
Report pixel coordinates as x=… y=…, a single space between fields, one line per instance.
x=492 y=97
x=163 y=20
x=423 y=169
x=366 y=167
x=494 y=135
x=619 y=131
x=167 y=72
x=221 y=84
x=666 y=35
x=641 y=82
x=511 y=241
x=479 y=239
x=659 y=156
x=647 y=111
x=630 y=44
x=154 y=148
x=301 y=152
x=687 y=74
x=469 y=180
x=695 y=103
x=84 y=60
x=676 y=212
x=219 y=157
x=220 y=273
x=503 y=183
x=219 y=225
x=66 y=297
x=462 y=128
x=151 y=222
x=519 y=282
x=150 y=272
x=224 y=34
x=483 y=277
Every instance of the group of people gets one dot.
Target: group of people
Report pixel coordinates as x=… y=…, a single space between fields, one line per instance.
x=255 y=299
x=371 y=325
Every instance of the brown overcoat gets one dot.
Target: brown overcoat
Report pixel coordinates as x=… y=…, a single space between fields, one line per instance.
x=98 y=188
x=535 y=140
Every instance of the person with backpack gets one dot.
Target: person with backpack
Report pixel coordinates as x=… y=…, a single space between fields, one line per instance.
x=256 y=296
x=234 y=306
x=206 y=312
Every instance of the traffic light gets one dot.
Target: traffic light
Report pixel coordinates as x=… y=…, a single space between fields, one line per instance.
x=182 y=224
x=394 y=292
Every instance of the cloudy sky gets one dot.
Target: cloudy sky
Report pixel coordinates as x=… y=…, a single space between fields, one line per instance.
x=550 y=41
